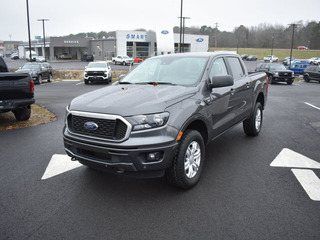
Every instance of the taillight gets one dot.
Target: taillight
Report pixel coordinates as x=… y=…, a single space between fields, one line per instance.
x=31 y=86
x=267 y=84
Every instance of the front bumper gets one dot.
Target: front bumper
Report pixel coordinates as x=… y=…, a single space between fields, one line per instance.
x=121 y=158
x=96 y=78
x=283 y=79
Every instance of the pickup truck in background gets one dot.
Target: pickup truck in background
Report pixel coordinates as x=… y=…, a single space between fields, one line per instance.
x=16 y=92
x=124 y=60
x=271 y=58
x=157 y=120
x=97 y=71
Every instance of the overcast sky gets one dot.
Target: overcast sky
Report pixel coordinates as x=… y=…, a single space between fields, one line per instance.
x=71 y=16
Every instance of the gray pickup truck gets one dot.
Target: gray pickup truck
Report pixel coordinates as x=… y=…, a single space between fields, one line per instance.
x=158 y=119
x=16 y=92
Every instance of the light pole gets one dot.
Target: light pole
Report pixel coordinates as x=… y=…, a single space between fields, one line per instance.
x=272 y=44
x=44 y=37
x=184 y=18
x=180 y=26
x=293 y=26
x=29 y=30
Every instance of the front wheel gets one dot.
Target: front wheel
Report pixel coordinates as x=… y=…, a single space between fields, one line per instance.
x=271 y=79
x=252 y=126
x=306 y=78
x=188 y=162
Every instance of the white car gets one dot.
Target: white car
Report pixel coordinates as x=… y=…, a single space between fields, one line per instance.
x=314 y=60
x=271 y=58
x=97 y=71
x=124 y=60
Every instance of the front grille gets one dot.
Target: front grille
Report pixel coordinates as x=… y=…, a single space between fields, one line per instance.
x=95 y=73
x=110 y=129
x=285 y=74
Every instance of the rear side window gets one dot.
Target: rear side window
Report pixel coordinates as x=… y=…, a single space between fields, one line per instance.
x=236 y=67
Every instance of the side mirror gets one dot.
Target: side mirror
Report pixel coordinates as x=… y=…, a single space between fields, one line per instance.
x=221 y=81
x=85 y=67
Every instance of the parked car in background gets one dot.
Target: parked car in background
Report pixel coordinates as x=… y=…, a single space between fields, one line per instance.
x=38 y=71
x=14 y=56
x=286 y=61
x=65 y=56
x=299 y=65
x=276 y=72
x=271 y=58
x=40 y=59
x=252 y=58
x=302 y=48
x=244 y=56
x=124 y=60
x=97 y=71
x=138 y=60
x=33 y=57
x=314 y=60
x=87 y=58
x=312 y=73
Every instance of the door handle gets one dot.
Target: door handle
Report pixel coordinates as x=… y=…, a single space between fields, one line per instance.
x=232 y=91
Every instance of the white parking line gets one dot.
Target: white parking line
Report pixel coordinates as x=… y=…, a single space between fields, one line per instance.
x=309 y=181
x=312 y=105
x=79 y=83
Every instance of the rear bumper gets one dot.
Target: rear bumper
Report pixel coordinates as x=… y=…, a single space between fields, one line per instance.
x=12 y=104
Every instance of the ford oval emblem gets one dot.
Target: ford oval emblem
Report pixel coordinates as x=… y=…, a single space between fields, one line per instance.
x=91 y=126
x=165 y=32
x=199 y=39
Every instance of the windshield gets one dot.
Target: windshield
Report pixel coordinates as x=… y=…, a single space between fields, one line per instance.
x=277 y=67
x=96 y=65
x=125 y=57
x=31 y=66
x=180 y=70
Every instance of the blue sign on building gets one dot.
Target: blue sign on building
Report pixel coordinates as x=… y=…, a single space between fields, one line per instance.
x=137 y=36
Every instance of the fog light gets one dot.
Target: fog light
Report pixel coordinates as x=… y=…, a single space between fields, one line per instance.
x=153 y=157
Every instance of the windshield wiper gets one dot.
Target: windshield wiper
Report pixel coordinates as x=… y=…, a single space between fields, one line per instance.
x=125 y=83
x=156 y=83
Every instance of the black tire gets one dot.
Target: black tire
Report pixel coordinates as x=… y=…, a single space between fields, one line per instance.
x=179 y=174
x=290 y=82
x=124 y=63
x=22 y=114
x=306 y=78
x=39 y=79
x=252 y=126
x=50 y=78
x=270 y=79
x=86 y=81
x=114 y=62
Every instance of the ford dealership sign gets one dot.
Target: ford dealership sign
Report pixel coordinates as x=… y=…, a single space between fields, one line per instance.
x=200 y=39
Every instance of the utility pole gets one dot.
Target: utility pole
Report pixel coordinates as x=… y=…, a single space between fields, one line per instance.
x=44 y=37
x=216 y=37
x=293 y=26
x=272 y=44
x=180 y=26
x=29 y=30
x=184 y=18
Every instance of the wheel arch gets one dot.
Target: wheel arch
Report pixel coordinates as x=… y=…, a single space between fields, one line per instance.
x=198 y=124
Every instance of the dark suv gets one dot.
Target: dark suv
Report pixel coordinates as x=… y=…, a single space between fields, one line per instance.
x=38 y=71
x=87 y=58
x=312 y=73
x=276 y=72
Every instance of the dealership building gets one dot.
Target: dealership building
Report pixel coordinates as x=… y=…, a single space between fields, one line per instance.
x=136 y=44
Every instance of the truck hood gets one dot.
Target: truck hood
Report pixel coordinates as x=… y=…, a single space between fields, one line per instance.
x=129 y=100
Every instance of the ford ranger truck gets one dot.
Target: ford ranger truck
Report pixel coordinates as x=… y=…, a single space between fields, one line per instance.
x=16 y=92
x=124 y=60
x=157 y=120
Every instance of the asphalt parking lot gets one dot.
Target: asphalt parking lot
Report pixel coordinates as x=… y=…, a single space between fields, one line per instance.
x=250 y=188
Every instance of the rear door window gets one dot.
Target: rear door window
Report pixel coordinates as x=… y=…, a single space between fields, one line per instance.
x=236 y=67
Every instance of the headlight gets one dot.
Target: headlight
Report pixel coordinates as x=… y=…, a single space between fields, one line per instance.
x=141 y=122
